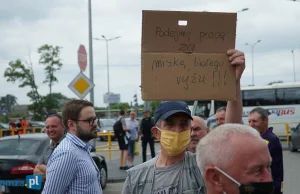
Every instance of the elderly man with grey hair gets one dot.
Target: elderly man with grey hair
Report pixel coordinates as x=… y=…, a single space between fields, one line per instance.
x=234 y=159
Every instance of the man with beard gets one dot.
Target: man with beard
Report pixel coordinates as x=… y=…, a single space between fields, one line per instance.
x=71 y=168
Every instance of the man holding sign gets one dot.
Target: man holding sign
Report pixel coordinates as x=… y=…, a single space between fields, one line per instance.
x=174 y=170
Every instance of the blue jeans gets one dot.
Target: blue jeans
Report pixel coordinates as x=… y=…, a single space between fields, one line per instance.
x=131 y=148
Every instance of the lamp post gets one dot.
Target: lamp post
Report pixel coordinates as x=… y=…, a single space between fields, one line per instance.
x=294 y=65
x=252 y=45
x=91 y=50
x=107 y=59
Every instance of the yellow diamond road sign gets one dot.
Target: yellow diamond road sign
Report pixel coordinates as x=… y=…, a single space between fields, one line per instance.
x=81 y=85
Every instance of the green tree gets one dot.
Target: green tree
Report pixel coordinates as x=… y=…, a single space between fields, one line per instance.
x=8 y=102
x=122 y=105
x=55 y=101
x=17 y=71
x=51 y=60
x=154 y=105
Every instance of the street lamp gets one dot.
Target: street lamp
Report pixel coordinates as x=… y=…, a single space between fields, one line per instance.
x=294 y=65
x=252 y=45
x=107 y=58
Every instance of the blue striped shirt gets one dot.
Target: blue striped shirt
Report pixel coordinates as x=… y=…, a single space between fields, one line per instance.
x=71 y=169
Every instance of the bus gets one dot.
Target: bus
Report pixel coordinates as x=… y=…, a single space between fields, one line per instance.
x=281 y=100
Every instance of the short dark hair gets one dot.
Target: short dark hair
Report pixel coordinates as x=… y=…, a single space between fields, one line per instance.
x=263 y=113
x=122 y=112
x=72 y=109
x=222 y=108
x=57 y=116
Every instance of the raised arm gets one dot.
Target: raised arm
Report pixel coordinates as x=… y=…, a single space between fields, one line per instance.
x=234 y=108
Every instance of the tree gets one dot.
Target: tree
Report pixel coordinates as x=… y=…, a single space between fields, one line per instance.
x=122 y=105
x=17 y=71
x=7 y=102
x=55 y=101
x=154 y=105
x=52 y=62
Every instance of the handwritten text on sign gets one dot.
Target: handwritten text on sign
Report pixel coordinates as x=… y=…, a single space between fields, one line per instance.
x=211 y=70
x=183 y=36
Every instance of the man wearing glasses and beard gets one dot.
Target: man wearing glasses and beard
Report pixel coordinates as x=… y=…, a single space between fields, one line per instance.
x=71 y=168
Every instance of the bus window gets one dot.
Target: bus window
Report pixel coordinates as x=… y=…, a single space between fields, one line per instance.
x=259 y=97
x=288 y=96
x=203 y=109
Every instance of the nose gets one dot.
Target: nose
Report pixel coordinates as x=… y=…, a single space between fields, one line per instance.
x=251 y=124
x=193 y=132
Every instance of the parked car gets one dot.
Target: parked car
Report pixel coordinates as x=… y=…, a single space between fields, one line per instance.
x=20 y=154
x=294 y=143
x=106 y=125
x=4 y=126
x=40 y=124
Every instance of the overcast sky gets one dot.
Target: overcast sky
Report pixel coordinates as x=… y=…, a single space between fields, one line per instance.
x=29 y=24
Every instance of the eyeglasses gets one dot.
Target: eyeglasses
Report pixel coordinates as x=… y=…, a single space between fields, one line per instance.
x=91 y=121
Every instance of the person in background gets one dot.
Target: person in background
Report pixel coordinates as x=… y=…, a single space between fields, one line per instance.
x=146 y=135
x=220 y=115
x=258 y=119
x=198 y=131
x=56 y=132
x=122 y=139
x=133 y=125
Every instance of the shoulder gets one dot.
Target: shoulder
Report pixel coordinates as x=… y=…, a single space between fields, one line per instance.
x=65 y=148
x=142 y=171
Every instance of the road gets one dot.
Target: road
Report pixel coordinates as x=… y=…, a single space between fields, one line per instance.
x=115 y=154
x=291 y=175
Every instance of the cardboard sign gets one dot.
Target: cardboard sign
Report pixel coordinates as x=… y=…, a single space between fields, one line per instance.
x=189 y=61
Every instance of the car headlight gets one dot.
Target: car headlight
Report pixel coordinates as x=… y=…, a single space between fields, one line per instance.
x=104 y=131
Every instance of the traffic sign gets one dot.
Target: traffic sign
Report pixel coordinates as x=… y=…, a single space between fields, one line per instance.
x=81 y=85
x=82 y=57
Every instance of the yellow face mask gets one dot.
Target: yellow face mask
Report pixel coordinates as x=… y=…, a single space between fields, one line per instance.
x=174 y=142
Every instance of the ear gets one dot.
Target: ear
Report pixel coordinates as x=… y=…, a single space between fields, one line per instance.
x=156 y=132
x=71 y=125
x=207 y=130
x=213 y=179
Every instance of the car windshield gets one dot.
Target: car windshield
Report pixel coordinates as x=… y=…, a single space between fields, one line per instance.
x=19 y=147
x=4 y=126
x=37 y=123
x=107 y=122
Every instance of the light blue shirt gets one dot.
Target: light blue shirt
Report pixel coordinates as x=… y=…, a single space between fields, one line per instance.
x=134 y=126
x=71 y=169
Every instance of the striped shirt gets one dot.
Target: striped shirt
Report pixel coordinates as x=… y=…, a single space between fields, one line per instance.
x=71 y=169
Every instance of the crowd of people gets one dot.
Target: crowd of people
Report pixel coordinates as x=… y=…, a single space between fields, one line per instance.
x=233 y=158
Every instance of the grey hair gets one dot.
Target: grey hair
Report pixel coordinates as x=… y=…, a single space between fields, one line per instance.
x=216 y=149
x=262 y=112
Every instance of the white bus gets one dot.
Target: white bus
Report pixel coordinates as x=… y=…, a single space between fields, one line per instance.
x=282 y=100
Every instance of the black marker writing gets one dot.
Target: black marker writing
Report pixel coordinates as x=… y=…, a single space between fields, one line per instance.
x=175 y=34
x=212 y=35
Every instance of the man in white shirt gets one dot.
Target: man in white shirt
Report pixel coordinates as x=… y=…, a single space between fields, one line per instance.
x=133 y=135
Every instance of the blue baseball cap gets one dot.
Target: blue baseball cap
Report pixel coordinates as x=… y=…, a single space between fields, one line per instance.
x=168 y=108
